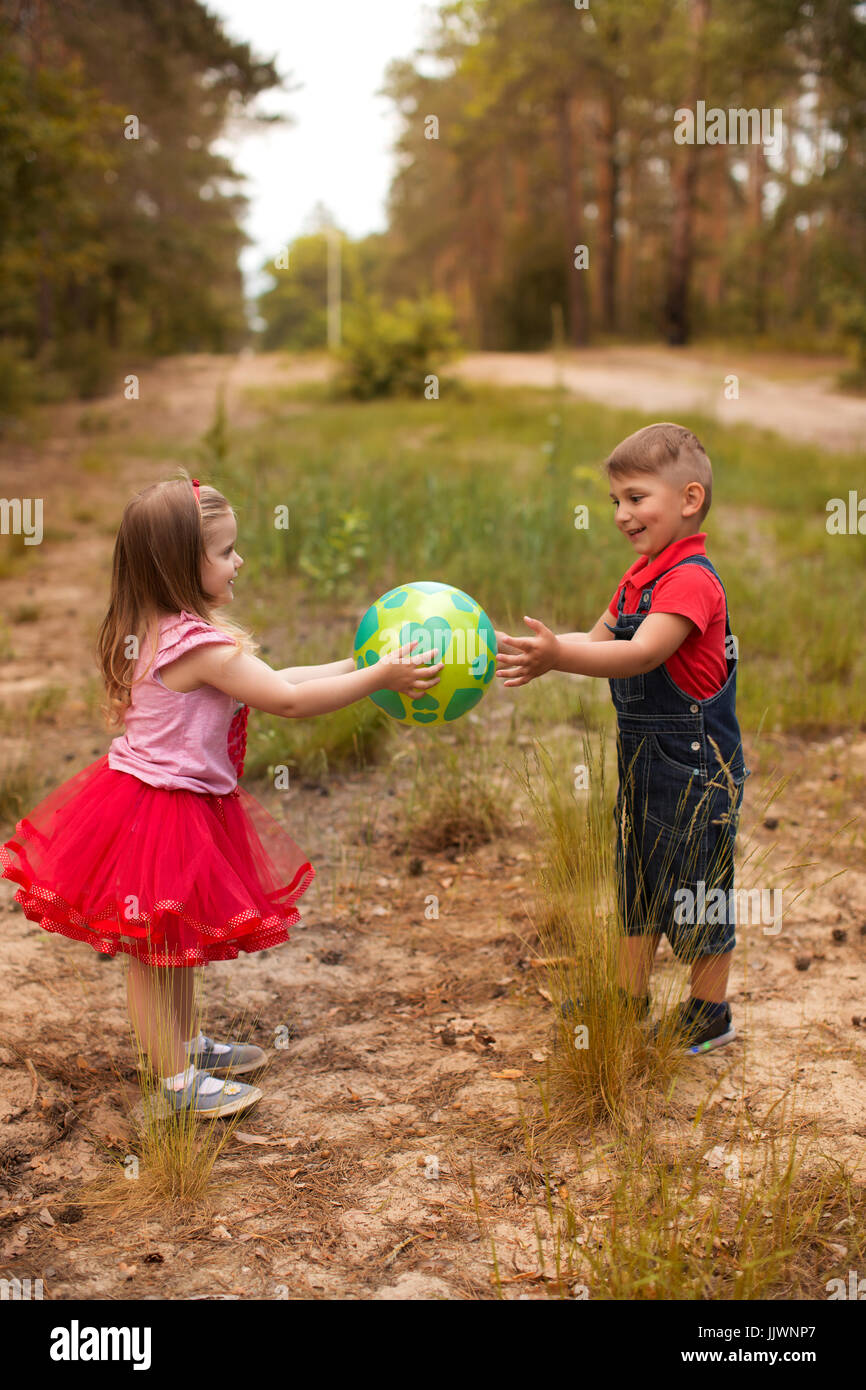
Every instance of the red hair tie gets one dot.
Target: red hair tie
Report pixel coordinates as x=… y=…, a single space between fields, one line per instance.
x=195 y=487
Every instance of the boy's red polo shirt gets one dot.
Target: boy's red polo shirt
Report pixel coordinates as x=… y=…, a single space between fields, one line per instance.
x=698 y=666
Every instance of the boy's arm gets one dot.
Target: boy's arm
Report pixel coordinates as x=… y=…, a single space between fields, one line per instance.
x=598 y=633
x=657 y=638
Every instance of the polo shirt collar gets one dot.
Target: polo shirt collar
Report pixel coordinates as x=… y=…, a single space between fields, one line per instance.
x=644 y=572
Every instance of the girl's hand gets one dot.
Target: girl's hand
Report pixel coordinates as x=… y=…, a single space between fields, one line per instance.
x=401 y=672
x=524 y=658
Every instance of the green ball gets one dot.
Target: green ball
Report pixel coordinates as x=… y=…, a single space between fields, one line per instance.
x=441 y=616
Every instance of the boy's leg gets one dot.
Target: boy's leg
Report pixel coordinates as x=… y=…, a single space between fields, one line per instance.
x=636 y=955
x=710 y=977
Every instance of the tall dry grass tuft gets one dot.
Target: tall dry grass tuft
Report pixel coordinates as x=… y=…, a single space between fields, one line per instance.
x=455 y=802
x=765 y=1213
x=602 y=1064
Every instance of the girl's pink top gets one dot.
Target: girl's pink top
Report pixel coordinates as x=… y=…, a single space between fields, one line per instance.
x=174 y=739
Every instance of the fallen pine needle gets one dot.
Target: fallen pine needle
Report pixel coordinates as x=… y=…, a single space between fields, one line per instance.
x=34 y=1077
x=397 y=1248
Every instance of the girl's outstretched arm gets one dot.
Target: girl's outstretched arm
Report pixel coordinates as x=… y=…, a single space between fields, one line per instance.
x=254 y=683
x=296 y=674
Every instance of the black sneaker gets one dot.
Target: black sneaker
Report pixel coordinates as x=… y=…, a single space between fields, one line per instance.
x=695 y=1033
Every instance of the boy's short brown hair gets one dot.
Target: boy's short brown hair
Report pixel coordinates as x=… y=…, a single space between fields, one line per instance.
x=666 y=449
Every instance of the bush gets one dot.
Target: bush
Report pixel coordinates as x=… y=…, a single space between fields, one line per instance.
x=392 y=352
x=88 y=364
x=854 y=322
x=17 y=380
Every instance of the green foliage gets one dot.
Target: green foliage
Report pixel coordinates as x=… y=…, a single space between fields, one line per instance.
x=88 y=363
x=116 y=238
x=855 y=324
x=215 y=441
x=331 y=555
x=295 y=307
x=17 y=381
x=343 y=741
x=392 y=352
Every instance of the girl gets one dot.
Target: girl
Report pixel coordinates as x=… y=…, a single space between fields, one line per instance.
x=155 y=850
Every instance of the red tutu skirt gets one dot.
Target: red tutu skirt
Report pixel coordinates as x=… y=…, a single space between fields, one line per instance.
x=172 y=877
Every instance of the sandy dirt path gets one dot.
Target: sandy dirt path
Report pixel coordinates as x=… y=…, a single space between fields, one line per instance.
x=794 y=397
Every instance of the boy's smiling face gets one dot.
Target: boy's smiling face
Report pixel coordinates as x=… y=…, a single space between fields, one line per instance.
x=651 y=513
x=221 y=562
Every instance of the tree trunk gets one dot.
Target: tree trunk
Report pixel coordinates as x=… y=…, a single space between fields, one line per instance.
x=685 y=161
x=608 y=198
x=577 y=296
x=677 y=311
x=112 y=307
x=756 y=217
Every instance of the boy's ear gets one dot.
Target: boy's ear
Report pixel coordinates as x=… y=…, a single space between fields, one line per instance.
x=693 y=496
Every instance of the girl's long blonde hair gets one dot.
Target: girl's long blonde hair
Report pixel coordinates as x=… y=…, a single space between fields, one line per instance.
x=156 y=569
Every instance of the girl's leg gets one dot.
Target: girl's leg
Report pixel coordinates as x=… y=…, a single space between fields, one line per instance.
x=183 y=979
x=152 y=1012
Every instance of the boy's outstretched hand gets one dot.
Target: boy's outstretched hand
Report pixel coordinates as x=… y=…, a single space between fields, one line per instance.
x=521 y=659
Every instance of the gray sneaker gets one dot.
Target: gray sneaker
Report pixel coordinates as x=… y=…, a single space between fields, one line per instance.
x=243 y=1057
x=231 y=1097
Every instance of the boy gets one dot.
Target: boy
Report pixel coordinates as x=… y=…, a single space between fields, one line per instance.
x=672 y=677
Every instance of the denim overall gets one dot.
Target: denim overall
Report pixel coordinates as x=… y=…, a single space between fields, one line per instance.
x=677 y=809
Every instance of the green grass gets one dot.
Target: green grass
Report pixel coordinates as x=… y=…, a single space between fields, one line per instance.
x=346 y=740
x=480 y=492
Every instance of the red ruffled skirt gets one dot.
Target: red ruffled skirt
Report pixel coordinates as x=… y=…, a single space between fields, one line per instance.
x=172 y=877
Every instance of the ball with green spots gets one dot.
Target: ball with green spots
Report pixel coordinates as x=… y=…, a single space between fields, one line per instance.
x=440 y=616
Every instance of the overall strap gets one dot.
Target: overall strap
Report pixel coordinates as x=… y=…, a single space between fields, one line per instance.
x=693 y=560
x=705 y=565
x=646 y=592
x=689 y=560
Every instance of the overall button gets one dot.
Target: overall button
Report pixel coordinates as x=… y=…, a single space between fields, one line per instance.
x=695 y=746
x=693 y=708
